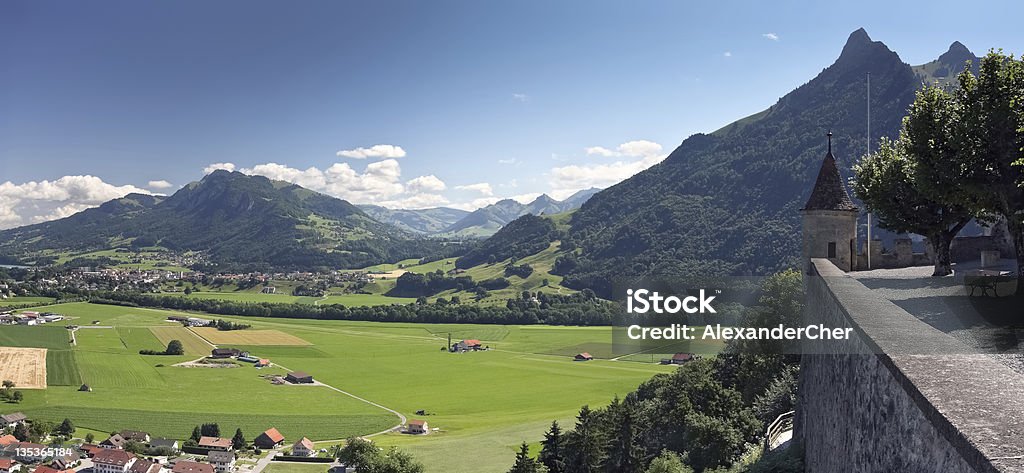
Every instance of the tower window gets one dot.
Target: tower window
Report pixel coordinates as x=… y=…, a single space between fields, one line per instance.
x=831 y=249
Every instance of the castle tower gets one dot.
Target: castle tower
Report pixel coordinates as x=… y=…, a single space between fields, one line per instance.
x=830 y=218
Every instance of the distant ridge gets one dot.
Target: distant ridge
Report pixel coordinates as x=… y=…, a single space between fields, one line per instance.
x=486 y=221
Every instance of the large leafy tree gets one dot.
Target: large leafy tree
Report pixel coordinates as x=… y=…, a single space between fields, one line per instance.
x=993 y=138
x=885 y=181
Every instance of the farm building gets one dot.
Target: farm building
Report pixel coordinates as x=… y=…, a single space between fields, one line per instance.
x=115 y=441
x=248 y=359
x=269 y=439
x=67 y=461
x=262 y=363
x=299 y=377
x=467 y=345
x=225 y=352
x=185 y=466
x=135 y=435
x=303 y=448
x=221 y=461
x=269 y=290
x=164 y=443
x=6 y=440
x=13 y=419
x=583 y=357
x=145 y=466
x=679 y=358
x=85 y=388
x=417 y=427
x=112 y=461
x=215 y=443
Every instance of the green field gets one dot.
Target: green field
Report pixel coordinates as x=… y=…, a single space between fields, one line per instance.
x=484 y=402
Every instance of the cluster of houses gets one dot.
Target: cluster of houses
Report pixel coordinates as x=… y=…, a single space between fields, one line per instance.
x=110 y=455
x=243 y=356
x=189 y=321
x=29 y=317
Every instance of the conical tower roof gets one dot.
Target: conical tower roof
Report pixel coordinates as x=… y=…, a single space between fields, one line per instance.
x=829 y=192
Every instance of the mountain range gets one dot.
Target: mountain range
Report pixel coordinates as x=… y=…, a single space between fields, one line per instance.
x=727 y=203
x=722 y=203
x=241 y=221
x=486 y=221
x=482 y=222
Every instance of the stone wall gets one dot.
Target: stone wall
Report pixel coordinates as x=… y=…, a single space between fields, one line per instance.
x=893 y=399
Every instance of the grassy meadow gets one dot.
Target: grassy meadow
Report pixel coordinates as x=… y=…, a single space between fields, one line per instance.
x=482 y=402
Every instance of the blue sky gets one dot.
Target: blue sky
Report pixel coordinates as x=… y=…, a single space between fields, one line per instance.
x=484 y=99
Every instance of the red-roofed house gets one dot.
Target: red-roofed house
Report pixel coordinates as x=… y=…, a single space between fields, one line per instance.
x=215 y=443
x=108 y=460
x=185 y=466
x=583 y=357
x=6 y=440
x=47 y=469
x=146 y=466
x=417 y=427
x=303 y=448
x=8 y=466
x=269 y=439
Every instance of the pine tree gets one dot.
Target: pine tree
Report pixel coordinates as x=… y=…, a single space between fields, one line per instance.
x=197 y=433
x=525 y=464
x=21 y=432
x=66 y=428
x=625 y=455
x=585 y=444
x=552 y=453
x=238 y=441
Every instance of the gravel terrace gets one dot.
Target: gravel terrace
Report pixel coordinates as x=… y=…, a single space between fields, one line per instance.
x=990 y=325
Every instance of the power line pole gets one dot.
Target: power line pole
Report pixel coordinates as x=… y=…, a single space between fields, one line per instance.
x=868 y=245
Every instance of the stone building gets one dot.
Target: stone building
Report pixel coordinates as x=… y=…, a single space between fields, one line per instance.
x=830 y=218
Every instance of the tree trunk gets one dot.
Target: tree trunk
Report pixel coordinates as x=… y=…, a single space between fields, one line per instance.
x=1017 y=232
x=940 y=248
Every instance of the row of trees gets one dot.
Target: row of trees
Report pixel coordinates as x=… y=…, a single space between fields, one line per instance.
x=959 y=155
x=582 y=308
x=174 y=347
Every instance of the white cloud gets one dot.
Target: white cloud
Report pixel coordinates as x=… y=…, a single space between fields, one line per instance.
x=375 y=151
x=416 y=201
x=161 y=184
x=380 y=180
x=475 y=203
x=508 y=161
x=218 y=166
x=526 y=198
x=60 y=212
x=483 y=188
x=421 y=184
x=771 y=36
x=636 y=148
x=520 y=97
x=600 y=151
x=727 y=54
x=38 y=201
x=638 y=155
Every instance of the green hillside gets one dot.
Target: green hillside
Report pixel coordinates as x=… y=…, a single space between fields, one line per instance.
x=239 y=221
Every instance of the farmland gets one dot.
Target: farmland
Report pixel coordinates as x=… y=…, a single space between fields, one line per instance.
x=26 y=367
x=248 y=337
x=484 y=402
